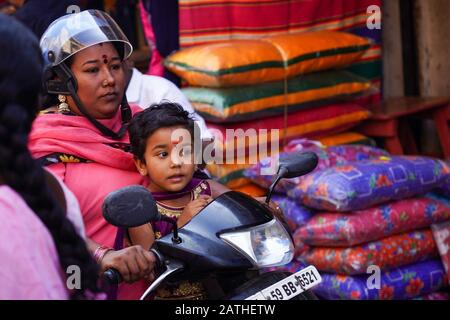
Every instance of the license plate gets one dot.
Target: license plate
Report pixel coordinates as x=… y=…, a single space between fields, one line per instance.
x=290 y=286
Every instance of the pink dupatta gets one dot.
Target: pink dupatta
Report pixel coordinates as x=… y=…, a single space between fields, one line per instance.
x=75 y=135
x=109 y=167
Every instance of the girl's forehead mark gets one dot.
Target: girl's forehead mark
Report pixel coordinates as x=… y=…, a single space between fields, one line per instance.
x=175 y=142
x=105 y=59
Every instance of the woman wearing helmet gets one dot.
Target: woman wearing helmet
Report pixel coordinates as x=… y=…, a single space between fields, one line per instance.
x=83 y=139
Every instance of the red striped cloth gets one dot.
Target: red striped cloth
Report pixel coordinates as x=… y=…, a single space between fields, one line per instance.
x=210 y=21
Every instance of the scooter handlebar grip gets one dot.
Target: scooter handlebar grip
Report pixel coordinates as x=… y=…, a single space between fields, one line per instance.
x=112 y=276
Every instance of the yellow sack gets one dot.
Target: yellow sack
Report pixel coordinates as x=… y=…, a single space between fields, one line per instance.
x=245 y=62
x=321 y=50
x=227 y=64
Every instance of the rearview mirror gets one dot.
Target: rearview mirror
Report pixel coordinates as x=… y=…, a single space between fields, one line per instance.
x=130 y=207
x=297 y=164
x=293 y=165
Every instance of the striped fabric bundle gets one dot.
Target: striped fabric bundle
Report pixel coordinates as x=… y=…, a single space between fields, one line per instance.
x=271 y=99
x=213 y=21
x=311 y=123
x=245 y=62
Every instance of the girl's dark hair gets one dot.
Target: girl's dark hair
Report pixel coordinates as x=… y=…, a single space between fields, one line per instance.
x=164 y=114
x=20 y=81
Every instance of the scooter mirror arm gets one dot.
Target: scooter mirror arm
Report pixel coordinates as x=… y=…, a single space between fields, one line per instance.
x=281 y=172
x=175 y=239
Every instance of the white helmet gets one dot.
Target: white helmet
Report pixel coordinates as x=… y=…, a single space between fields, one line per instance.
x=70 y=34
x=74 y=32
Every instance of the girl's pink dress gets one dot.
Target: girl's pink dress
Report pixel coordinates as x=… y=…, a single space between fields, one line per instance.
x=29 y=266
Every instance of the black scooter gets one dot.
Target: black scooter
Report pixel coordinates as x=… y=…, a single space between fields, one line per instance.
x=225 y=245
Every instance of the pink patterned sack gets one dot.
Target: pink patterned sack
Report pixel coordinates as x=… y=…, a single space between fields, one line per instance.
x=343 y=230
x=391 y=252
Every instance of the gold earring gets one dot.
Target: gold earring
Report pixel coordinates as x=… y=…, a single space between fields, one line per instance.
x=63 y=107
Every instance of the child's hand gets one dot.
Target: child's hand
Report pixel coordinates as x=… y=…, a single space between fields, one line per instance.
x=192 y=208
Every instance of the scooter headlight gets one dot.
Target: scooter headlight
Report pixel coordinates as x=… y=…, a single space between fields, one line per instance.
x=265 y=245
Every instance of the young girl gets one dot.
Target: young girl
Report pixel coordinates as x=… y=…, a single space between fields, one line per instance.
x=162 y=140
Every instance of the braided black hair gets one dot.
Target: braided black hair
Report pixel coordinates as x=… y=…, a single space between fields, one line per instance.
x=20 y=80
x=164 y=114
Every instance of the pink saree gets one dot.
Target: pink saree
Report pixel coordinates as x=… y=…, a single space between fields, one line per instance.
x=90 y=164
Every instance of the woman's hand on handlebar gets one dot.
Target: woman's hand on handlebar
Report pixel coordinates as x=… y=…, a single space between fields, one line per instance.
x=133 y=263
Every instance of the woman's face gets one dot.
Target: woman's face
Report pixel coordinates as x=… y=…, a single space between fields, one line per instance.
x=101 y=80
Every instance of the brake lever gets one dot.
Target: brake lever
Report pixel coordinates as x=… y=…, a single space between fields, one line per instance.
x=172 y=266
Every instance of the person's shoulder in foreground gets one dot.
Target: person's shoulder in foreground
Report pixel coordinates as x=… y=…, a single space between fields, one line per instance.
x=24 y=235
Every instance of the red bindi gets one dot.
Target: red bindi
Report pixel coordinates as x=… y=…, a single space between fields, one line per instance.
x=105 y=59
x=174 y=142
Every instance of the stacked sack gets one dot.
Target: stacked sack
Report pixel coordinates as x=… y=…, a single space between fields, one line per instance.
x=441 y=231
x=390 y=231
x=374 y=213
x=296 y=213
x=255 y=84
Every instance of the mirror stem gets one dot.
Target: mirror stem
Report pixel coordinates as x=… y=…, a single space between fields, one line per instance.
x=272 y=187
x=279 y=176
x=176 y=239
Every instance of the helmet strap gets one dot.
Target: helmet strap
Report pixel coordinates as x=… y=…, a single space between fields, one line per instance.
x=67 y=84
x=125 y=113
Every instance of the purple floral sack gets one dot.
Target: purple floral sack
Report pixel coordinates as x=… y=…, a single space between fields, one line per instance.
x=364 y=184
x=434 y=296
x=328 y=157
x=397 y=284
x=438 y=197
x=444 y=190
x=295 y=214
x=292 y=267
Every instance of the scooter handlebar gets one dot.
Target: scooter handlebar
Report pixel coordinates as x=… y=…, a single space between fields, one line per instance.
x=113 y=277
